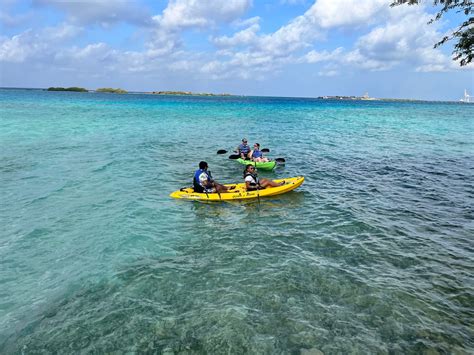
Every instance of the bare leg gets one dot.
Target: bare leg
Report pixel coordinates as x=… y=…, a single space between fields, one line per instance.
x=220 y=188
x=265 y=183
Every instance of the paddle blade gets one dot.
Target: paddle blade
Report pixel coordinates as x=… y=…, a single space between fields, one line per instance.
x=221 y=151
x=280 y=160
x=234 y=156
x=265 y=150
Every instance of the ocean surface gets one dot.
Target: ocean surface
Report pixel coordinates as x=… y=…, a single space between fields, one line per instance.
x=374 y=253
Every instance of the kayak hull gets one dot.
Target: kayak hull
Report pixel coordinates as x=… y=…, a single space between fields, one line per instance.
x=239 y=191
x=268 y=165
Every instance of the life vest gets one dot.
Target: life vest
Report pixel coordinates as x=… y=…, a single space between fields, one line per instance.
x=254 y=177
x=257 y=154
x=197 y=183
x=244 y=148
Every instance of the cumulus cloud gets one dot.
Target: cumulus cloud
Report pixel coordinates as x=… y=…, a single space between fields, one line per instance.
x=315 y=57
x=389 y=37
x=195 y=13
x=404 y=38
x=247 y=37
x=266 y=52
x=31 y=44
x=335 y=13
x=246 y=22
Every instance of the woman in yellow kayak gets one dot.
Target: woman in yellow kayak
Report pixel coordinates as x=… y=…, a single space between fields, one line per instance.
x=252 y=182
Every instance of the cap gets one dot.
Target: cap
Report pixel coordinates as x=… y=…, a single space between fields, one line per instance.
x=244 y=140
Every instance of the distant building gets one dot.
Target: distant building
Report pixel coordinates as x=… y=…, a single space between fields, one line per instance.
x=466 y=98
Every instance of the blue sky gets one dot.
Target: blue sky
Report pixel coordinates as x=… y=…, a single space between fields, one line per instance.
x=274 y=48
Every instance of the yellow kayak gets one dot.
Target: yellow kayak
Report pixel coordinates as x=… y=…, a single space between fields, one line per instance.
x=239 y=191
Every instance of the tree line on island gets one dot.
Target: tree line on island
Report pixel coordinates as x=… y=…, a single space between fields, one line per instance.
x=121 y=91
x=78 y=89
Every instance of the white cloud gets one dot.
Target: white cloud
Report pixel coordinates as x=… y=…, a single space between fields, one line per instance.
x=29 y=44
x=336 y=13
x=328 y=73
x=251 y=53
x=315 y=57
x=405 y=38
x=181 y=14
x=247 y=22
x=393 y=37
x=247 y=36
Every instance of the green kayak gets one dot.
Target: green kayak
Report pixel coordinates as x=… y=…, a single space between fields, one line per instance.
x=267 y=165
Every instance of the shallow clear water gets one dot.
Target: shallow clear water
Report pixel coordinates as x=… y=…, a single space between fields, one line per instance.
x=372 y=254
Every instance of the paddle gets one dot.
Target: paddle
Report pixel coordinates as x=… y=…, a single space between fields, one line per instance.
x=236 y=156
x=223 y=151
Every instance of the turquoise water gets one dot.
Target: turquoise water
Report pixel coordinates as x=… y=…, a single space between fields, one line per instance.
x=372 y=254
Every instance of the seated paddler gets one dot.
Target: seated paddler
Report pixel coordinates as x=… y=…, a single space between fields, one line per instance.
x=243 y=149
x=252 y=182
x=204 y=183
x=257 y=155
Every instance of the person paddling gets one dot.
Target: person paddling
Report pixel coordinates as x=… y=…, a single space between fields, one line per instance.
x=256 y=154
x=203 y=181
x=252 y=182
x=243 y=149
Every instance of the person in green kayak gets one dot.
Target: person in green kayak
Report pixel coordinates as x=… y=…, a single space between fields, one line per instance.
x=252 y=182
x=256 y=154
x=243 y=149
x=204 y=183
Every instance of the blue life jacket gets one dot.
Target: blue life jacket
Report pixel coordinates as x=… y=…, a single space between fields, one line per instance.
x=257 y=154
x=244 y=148
x=196 y=183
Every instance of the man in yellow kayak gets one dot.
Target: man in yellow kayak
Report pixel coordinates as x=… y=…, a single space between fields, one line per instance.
x=203 y=181
x=252 y=182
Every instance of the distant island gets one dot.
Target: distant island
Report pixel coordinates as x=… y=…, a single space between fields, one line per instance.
x=187 y=93
x=338 y=97
x=73 y=88
x=111 y=90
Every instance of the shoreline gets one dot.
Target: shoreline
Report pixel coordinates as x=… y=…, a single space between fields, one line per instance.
x=188 y=93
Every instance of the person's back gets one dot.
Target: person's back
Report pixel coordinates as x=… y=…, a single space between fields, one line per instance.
x=201 y=179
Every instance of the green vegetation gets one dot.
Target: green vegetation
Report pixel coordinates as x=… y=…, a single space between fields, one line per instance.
x=464 y=34
x=111 y=90
x=73 y=88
